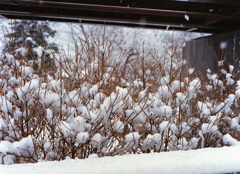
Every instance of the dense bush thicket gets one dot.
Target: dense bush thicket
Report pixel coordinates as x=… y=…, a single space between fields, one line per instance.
x=104 y=105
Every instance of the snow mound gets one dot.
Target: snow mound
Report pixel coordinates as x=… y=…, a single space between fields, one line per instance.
x=209 y=160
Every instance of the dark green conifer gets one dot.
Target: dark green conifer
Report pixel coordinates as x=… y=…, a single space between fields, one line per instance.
x=31 y=35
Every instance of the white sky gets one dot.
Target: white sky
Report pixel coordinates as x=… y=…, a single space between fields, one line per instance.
x=64 y=39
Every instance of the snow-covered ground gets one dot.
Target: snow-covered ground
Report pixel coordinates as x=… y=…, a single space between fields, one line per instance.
x=209 y=160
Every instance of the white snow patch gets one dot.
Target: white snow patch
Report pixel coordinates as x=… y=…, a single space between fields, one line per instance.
x=191 y=70
x=231 y=68
x=132 y=137
x=49 y=115
x=223 y=45
x=229 y=140
x=209 y=160
x=186 y=17
x=96 y=139
x=82 y=137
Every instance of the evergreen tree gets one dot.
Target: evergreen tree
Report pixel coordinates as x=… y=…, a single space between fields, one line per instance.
x=32 y=35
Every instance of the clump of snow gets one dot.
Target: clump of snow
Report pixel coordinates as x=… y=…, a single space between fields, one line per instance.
x=229 y=140
x=166 y=111
x=220 y=63
x=23 y=148
x=231 y=68
x=22 y=51
x=39 y=50
x=206 y=128
x=203 y=108
x=96 y=139
x=186 y=17
x=49 y=114
x=164 y=125
x=47 y=145
x=132 y=137
x=82 y=137
x=191 y=70
x=223 y=45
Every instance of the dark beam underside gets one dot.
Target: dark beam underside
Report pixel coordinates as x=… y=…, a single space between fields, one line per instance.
x=204 y=15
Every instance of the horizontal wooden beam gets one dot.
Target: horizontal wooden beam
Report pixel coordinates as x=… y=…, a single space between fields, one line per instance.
x=185 y=6
x=110 y=23
x=193 y=15
x=104 y=15
x=219 y=2
x=123 y=9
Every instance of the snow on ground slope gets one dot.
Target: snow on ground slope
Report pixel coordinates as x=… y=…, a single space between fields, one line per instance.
x=209 y=160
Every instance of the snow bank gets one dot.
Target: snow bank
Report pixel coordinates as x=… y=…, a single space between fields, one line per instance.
x=209 y=160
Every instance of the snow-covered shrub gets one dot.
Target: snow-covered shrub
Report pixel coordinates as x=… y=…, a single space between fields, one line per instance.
x=89 y=106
